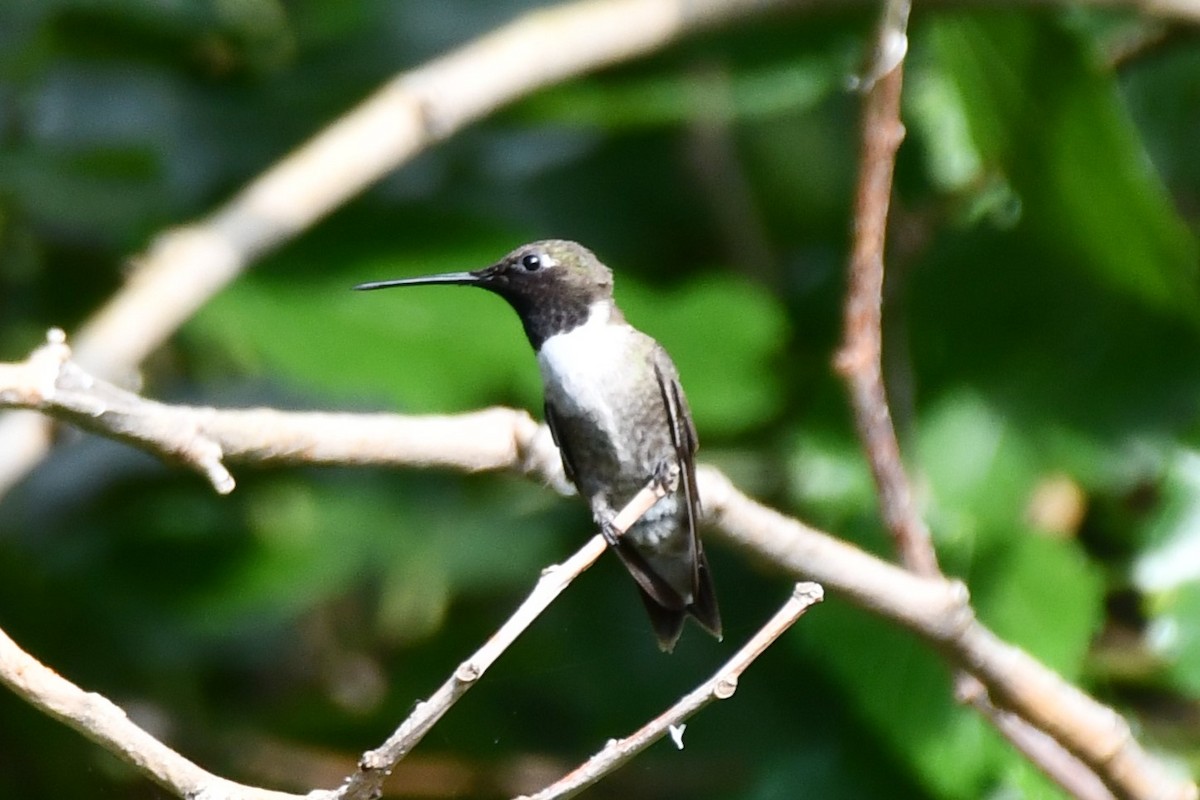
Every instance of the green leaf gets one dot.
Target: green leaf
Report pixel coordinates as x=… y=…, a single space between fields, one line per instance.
x=1044 y=115
x=426 y=350
x=442 y=349
x=422 y=541
x=1168 y=571
x=1033 y=588
x=1171 y=538
x=1174 y=634
x=1041 y=594
x=904 y=692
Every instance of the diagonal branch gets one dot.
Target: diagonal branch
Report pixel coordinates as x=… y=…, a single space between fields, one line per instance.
x=720 y=686
x=97 y=718
x=1036 y=745
x=105 y=723
x=377 y=764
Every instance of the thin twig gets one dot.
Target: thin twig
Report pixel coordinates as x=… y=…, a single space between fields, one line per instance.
x=1071 y=774
x=859 y=360
x=720 y=686
x=1070 y=760
x=104 y=723
x=377 y=764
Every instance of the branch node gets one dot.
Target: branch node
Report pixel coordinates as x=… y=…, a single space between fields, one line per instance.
x=205 y=454
x=725 y=687
x=808 y=592
x=959 y=615
x=890 y=47
x=373 y=760
x=467 y=672
x=853 y=358
x=676 y=734
x=47 y=362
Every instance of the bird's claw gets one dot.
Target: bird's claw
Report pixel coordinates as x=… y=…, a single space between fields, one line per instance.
x=666 y=475
x=609 y=530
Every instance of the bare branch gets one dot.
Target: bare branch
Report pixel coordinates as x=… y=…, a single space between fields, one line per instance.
x=859 y=359
x=720 y=686
x=1063 y=768
x=934 y=608
x=377 y=764
x=49 y=380
x=104 y=723
x=1094 y=733
x=186 y=266
x=202 y=438
x=860 y=363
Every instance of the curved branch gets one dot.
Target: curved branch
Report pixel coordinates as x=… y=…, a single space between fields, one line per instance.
x=934 y=608
x=104 y=723
x=1081 y=759
x=186 y=266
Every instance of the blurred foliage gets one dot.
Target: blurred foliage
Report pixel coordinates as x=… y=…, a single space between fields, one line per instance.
x=1043 y=328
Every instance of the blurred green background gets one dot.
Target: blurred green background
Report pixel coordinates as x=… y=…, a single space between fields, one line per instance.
x=1043 y=354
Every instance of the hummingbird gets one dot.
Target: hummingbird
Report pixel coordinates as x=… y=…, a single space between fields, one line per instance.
x=617 y=413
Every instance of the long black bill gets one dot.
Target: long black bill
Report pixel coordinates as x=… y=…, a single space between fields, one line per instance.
x=452 y=278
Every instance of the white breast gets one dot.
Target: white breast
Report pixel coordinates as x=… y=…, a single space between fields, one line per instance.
x=579 y=367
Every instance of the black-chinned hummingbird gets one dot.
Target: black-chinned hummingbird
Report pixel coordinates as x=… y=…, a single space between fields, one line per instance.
x=618 y=414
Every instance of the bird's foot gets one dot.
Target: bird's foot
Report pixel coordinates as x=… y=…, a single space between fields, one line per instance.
x=608 y=529
x=666 y=475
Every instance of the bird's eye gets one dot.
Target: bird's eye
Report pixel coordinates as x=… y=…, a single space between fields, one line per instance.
x=531 y=262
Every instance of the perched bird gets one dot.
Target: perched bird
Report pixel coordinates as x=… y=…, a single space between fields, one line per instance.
x=618 y=415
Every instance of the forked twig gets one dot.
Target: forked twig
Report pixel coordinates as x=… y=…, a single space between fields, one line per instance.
x=202 y=438
x=99 y=719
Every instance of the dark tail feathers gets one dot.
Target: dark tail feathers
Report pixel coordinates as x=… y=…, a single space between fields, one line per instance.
x=668 y=622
